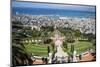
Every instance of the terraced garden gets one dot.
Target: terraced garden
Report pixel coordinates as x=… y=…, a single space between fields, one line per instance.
x=41 y=50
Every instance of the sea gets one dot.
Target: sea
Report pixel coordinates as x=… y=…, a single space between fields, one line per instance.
x=54 y=12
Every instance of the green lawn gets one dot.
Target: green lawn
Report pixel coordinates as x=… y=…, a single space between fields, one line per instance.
x=37 y=49
x=41 y=50
x=81 y=46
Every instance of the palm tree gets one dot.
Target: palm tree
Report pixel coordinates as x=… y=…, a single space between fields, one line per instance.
x=20 y=56
x=19 y=53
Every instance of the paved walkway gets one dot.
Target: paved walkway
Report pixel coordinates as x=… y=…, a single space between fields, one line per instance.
x=60 y=52
x=38 y=62
x=87 y=57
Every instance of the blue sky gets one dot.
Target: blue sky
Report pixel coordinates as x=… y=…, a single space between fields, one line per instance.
x=53 y=6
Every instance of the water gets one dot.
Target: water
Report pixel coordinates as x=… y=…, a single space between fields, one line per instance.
x=58 y=12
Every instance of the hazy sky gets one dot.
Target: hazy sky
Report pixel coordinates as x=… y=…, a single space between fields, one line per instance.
x=53 y=6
